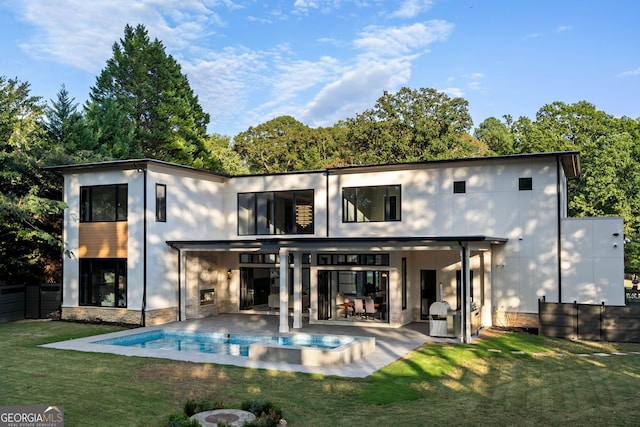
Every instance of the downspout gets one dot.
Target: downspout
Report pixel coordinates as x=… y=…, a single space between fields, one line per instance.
x=143 y=320
x=326 y=192
x=559 y=225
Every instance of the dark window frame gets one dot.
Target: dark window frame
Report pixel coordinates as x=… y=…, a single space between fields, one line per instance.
x=94 y=293
x=367 y=259
x=459 y=187
x=276 y=212
x=161 y=203
x=89 y=196
x=525 y=184
x=392 y=203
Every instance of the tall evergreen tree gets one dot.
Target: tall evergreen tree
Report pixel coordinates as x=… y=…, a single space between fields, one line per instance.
x=69 y=139
x=30 y=198
x=155 y=98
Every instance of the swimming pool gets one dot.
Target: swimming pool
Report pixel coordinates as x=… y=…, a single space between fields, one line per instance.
x=226 y=344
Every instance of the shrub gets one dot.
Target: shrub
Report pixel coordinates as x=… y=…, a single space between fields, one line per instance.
x=181 y=420
x=192 y=407
x=267 y=414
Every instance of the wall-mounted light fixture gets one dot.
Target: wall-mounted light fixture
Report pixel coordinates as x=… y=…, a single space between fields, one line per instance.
x=229 y=274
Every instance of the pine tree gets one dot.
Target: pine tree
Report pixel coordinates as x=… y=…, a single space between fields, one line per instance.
x=155 y=98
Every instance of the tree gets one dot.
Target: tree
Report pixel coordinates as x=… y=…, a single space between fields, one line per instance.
x=279 y=145
x=30 y=206
x=413 y=125
x=153 y=95
x=220 y=146
x=69 y=139
x=497 y=135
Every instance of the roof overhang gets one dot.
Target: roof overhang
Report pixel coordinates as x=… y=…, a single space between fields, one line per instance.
x=340 y=244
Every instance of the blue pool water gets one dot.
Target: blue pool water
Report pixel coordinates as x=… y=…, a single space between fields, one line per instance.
x=216 y=343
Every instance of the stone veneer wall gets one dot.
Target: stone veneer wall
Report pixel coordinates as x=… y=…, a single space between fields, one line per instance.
x=509 y=319
x=118 y=315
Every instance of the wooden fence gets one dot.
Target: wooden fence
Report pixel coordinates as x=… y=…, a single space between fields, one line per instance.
x=590 y=322
x=29 y=301
x=12 y=302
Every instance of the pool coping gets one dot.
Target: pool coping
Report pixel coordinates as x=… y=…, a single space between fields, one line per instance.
x=391 y=344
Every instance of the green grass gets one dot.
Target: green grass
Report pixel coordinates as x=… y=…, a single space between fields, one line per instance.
x=438 y=384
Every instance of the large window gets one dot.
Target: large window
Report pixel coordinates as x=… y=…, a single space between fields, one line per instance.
x=103 y=282
x=275 y=212
x=369 y=204
x=103 y=203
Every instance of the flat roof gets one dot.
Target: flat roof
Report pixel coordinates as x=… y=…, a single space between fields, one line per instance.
x=570 y=161
x=334 y=243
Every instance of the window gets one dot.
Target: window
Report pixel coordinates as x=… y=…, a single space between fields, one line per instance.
x=353 y=259
x=525 y=184
x=161 y=203
x=371 y=204
x=275 y=212
x=103 y=203
x=459 y=186
x=103 y=282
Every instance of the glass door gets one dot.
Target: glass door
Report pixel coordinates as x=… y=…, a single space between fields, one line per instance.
x=324 y=288
x=428 y=292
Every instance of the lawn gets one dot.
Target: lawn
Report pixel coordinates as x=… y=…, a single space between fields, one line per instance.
x=485 y=383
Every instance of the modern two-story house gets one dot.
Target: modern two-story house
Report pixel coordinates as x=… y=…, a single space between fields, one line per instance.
x=155 y=242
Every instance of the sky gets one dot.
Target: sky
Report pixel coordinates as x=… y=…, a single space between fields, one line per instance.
x=321 y=61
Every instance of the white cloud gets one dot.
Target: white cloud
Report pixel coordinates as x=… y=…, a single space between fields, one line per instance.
x=453 y=91
x=630 y=73
x=411 y=8
x=563 y=28
x=394 y=41
x=356 y=90
x=83 y=35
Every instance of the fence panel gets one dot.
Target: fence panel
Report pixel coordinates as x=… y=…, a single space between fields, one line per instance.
x=557 y=320
x=12 y=302
x=589 y=322
x=622 y=324
x=50 y=299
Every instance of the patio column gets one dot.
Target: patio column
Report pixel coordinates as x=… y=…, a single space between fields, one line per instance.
x=466 y=292
x=297 y=290
x=284 y=290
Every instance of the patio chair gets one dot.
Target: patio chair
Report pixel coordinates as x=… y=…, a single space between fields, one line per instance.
x=358 y=307
x=370 y=307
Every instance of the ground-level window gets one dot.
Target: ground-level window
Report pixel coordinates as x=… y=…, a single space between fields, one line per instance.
x=103 y=282
x=353 y=285
x=258 y=284
x=369 y=204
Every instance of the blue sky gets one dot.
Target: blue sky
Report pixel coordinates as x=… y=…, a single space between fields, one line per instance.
x=321 y=61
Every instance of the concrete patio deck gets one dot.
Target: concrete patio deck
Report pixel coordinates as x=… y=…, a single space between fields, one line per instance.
x=391 y=343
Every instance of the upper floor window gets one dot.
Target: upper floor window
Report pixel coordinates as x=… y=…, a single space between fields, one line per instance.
x=161 y=203
x=369 y=204
x=459 y=187
x=275 y=212
x=102 y=203
x=525 y=184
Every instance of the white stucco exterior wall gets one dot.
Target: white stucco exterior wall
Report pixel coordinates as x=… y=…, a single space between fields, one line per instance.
x=593 y=260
